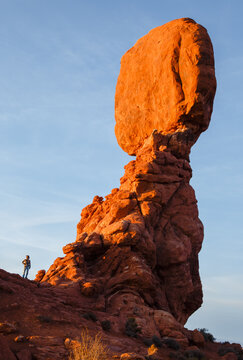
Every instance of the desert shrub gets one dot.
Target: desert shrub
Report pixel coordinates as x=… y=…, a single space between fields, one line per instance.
x=194 y=355
x=147 y=341
x=156 y=341
x=86 y=316
x=207 y=336
x=171 y=343
x=225 y=350
x=173 y=355
x=90 y=316
x=106 y=325
x=131 y=327
x=44 y=319
x=89 y=348
x=176 y=356
x=152 y=350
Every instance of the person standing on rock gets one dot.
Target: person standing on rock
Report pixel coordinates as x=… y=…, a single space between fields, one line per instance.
x=27 y=266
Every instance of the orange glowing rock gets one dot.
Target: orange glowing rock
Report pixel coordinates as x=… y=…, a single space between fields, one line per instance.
x=138 y=246
x=145 y=236
x=166 y=82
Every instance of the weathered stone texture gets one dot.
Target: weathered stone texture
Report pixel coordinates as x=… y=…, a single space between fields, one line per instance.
x=166 y=82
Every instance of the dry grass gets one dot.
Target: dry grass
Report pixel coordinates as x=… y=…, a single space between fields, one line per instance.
x=89 y=348
x=152 y=350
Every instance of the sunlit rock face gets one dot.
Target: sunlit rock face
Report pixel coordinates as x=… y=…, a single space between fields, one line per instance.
x=166 y=82
x=136 y=252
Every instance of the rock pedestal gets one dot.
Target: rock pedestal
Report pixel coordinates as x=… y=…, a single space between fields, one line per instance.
x=136 y=251
x=142 y=241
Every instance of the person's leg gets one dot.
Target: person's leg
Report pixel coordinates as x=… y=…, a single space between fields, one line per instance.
x=24 y=272
x=27 y=272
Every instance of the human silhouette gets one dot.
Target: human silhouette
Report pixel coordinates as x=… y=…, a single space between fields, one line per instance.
x=27 y=266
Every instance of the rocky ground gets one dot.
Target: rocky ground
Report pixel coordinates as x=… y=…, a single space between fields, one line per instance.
x=40 y=321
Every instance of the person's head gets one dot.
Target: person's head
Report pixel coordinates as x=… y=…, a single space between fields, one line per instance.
x=27 y=257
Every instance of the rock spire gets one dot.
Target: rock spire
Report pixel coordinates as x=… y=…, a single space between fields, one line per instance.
x=138 y=247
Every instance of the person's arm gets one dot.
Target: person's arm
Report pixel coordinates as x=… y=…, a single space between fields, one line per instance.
x=30 y=264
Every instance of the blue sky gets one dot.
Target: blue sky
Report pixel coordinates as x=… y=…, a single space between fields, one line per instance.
x=59 y=65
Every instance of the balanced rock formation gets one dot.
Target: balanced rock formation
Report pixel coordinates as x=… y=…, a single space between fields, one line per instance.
x=136 y=252
x=166 y=82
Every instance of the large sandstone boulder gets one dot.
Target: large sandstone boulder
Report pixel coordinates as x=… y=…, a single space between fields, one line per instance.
x=166 y=82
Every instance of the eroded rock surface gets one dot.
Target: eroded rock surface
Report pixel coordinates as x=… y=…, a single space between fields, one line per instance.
x=142 y=241
x=166 y=82
x=140 y=245
x=47 y=320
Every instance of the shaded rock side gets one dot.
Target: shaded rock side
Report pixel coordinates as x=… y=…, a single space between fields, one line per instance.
x=140 y=245
x=166 y=82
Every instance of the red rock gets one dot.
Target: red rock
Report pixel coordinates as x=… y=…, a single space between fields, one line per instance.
x=131 y=356
x=237 y=347
x=167 y=324
x=24 y=354
x=144 y=237
x=198 y=338
x=192 y=348
x=45 y=340
x=7 y=328
x=20 y=338
x=5 y=352
x=69 y=343
x=88 y=289
x=167 y=83
x=229 y=356
x=40 y=275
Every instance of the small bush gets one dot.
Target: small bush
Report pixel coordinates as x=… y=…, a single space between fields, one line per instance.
x=106 y=325
x=207 y=336
x=225 y=350
x=156 y=341
x=194 y=354
x=176 y=356
x=147 y=341
x=44 y=319
x=131 y=328
x=89 y=348
x=90 y=316
x=171 y=343
x=173 y=355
